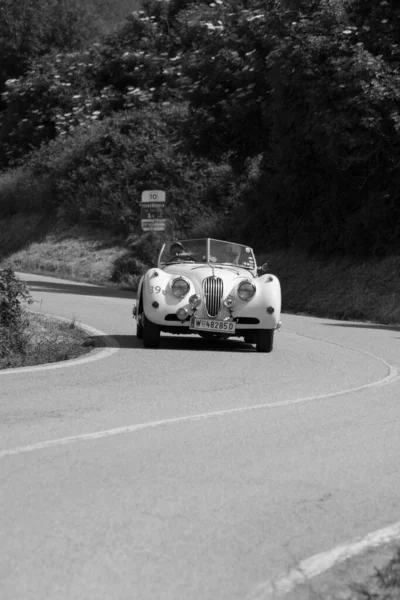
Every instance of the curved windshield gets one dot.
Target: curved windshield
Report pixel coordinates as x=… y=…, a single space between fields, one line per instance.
x=203 y=251
x=185 y=251
x=228 y=253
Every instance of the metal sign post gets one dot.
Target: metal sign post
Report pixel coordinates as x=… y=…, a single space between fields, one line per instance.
x=153 y=210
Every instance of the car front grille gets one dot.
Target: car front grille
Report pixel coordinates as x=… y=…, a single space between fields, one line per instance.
x=213 y=289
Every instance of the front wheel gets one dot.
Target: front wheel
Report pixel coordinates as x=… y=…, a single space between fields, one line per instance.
x=139 y=330
x=150 y=333
x=265 y=340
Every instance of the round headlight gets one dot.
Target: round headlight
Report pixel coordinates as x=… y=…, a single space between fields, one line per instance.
x=180 y=287
x=246 y=290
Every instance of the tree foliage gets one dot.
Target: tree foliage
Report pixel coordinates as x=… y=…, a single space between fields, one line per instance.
x=301 y=97
x=98 y=174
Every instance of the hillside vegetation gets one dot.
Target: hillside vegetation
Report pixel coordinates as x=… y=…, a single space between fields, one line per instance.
x=274 y=122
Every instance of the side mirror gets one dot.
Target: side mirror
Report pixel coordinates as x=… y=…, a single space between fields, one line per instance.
x=264 y=268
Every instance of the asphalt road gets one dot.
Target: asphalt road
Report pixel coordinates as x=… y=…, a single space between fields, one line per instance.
x=212 y=469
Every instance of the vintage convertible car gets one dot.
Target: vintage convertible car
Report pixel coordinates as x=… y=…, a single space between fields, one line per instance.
x=211 y=288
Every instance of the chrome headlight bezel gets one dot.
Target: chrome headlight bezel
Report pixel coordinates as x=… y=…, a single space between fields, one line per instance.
x=184 y=291
x=251 y=290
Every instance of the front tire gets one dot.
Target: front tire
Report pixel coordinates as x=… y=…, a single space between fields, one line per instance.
x=150 y=333
x=265 y=340
x=139 y=330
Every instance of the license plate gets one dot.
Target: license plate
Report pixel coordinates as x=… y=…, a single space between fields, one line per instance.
x=212 y=325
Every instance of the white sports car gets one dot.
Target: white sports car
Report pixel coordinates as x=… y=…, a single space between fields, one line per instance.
x=211 y=288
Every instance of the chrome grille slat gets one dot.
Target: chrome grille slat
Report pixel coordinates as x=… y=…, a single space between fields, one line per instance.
x=213 y=290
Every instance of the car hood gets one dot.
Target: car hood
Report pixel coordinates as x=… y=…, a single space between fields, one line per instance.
x=197 y=273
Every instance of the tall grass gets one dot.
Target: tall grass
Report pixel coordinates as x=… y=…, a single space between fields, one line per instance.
x=43 y=340
x=78 y=253
x=339 y=287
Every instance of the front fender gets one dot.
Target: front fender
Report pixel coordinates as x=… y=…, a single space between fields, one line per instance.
x=267 y=296
x=270 y=288
x=156 y=287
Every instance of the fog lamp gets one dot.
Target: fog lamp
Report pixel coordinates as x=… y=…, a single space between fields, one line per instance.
x=270 y=310
x=229 y=302
x=182 y=313
x=155 y=304
x=194 y=301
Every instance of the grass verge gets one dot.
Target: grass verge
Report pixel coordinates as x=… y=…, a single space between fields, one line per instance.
x=77 y=253
x=383 y=585
x=46 y=340
x=339 y=288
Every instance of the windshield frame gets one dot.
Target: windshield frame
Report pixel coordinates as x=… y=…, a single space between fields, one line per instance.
x=212 y=261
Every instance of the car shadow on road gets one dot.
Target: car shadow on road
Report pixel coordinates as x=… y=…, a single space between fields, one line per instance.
x=173 y=343
x=375 y=326
x=80 y=289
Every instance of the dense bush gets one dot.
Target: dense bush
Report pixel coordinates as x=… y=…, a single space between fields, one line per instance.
x=98 y=174
x=141 y=255
x=13 y=293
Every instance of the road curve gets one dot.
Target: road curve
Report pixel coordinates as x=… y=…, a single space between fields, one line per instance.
x=195 y=471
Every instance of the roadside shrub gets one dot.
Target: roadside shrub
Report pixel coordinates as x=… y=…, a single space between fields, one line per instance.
x=142 y=254
x=99 y=173
x=12 y=341
x=128 y=271
x=146 y=247
x=13 y=292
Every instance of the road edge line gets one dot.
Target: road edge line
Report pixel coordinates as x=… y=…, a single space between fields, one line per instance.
x=111 y=347
x=320 y=563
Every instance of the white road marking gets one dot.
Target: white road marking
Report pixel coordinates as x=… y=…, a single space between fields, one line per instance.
x=392 y=375
x=127 y=301
x=306 y=569
x=111 y=344
x=319 y=563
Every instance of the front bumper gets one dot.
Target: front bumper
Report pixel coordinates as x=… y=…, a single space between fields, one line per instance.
x=244 y=321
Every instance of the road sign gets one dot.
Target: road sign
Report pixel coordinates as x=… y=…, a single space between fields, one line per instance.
x=153 y=196
x=153 y=210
